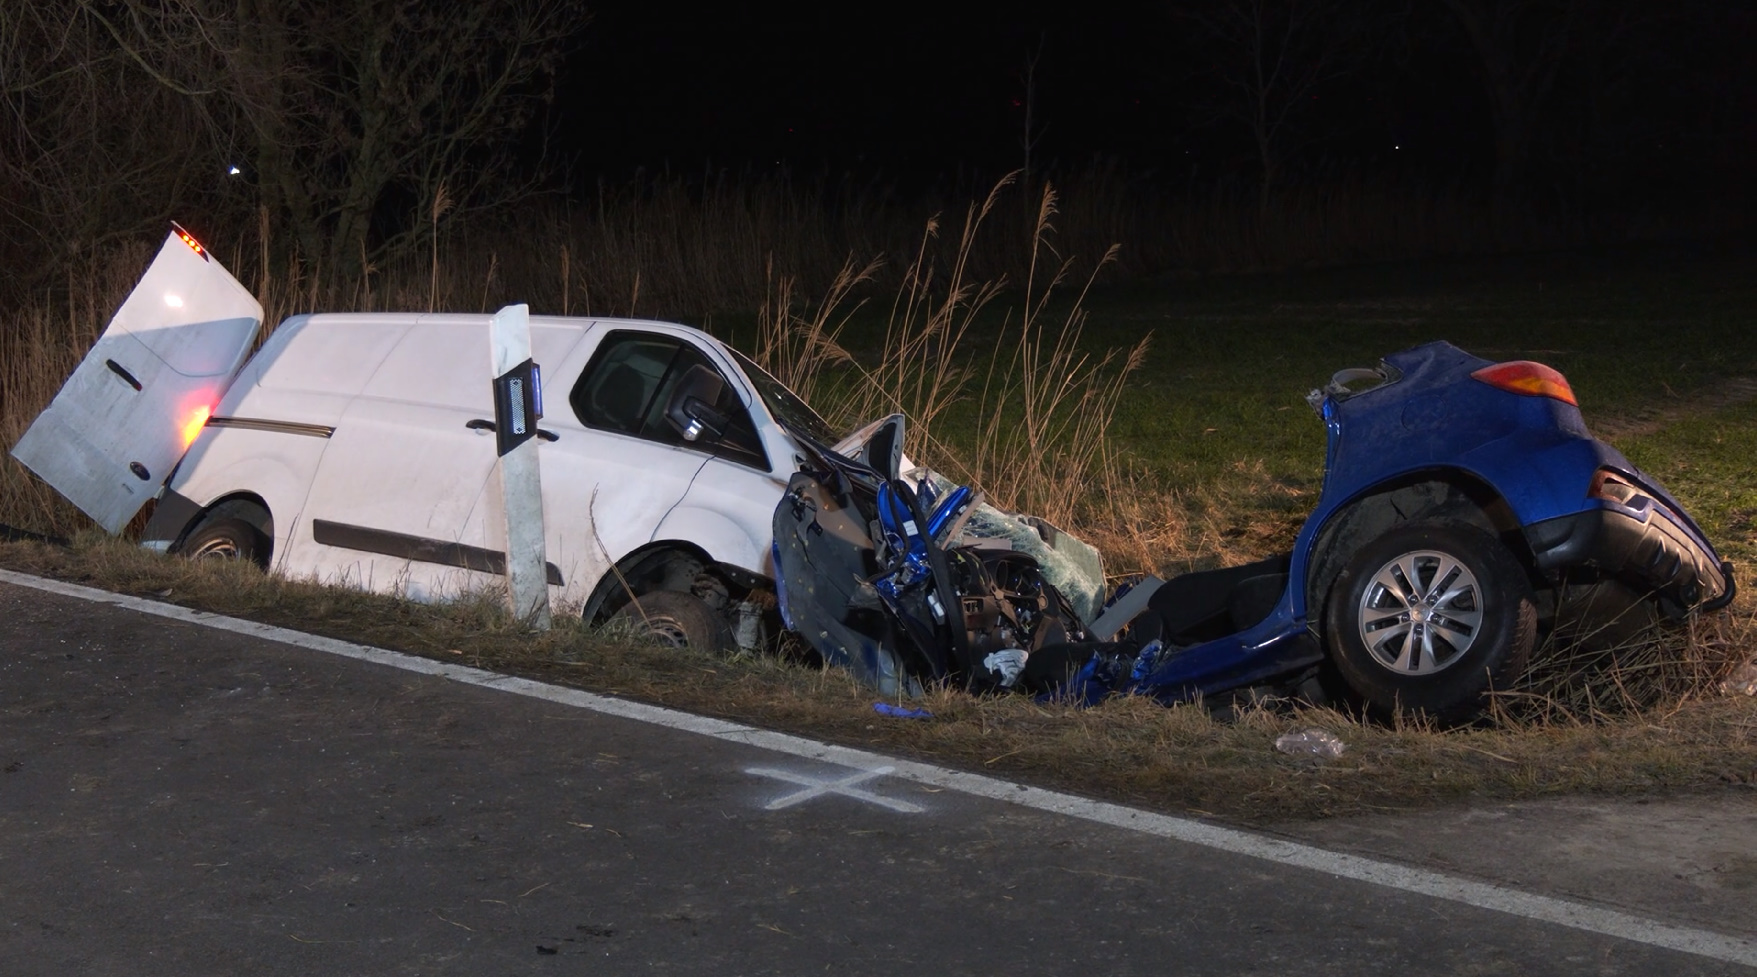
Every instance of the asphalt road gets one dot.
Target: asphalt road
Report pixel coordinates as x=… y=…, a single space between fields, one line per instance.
x=180 y=800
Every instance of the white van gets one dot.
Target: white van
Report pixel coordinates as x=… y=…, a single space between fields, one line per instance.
x=359 y=449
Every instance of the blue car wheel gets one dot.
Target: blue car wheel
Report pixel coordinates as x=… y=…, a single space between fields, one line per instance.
x=1428 y=617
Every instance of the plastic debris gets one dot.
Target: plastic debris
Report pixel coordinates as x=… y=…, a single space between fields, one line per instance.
x=1743 y=681
x=900 y=712
x=1145 y=661
x=1310 y=742
x=1007 y=663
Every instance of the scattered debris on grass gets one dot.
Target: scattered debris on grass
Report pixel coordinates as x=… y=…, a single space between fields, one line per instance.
x=1311 y=742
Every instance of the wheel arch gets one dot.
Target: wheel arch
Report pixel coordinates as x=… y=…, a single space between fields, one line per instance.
x=1437 y=493
x=668 y=564
x=245 y=505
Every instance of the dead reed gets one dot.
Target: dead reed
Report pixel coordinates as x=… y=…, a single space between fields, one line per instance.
x=1035 y=434
x=1628 y=664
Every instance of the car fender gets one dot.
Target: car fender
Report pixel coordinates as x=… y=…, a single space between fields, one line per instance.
x=1531 y=475
x=277 y=471
x=722 y=538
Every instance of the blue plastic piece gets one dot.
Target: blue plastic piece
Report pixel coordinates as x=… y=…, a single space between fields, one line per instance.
x=1145 y=660
x=900 y=712
x=955 y=502
x=904 y=543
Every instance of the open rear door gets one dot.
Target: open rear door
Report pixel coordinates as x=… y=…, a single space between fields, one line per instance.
x=129 y=412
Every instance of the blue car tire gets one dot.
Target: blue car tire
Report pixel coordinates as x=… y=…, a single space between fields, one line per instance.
x=1428 y=617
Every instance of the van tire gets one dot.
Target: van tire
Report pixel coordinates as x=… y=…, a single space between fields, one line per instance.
x=226 y=539
x=677 y=620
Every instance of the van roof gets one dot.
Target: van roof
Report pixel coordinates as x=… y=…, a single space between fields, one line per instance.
x=483 y=318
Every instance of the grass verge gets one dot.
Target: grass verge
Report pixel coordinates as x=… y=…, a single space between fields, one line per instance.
x=1178 y=759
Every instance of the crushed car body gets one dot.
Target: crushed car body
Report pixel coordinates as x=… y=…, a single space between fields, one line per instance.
x=1460 y=497
x=906 y=581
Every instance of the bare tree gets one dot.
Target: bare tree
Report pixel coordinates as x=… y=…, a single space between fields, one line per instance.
x=1521 y=46
x=352 y=111
x=343 y=119
x=1031 y=133
x=1270 y=58
x=104 y=129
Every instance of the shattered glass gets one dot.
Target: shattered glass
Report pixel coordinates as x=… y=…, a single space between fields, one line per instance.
x=1068 y=563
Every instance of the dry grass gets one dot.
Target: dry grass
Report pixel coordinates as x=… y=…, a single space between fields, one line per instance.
x=1042 y=415
x=1627 y=666
x=1176 y=759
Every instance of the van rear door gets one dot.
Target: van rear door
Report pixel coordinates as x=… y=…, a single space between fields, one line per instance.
x=137 y=400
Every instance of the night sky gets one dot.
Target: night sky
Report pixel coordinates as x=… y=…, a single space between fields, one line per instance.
x=922 y=92
x=903 y=87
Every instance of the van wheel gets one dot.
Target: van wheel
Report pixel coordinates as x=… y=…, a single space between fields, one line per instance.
x=677 y=620
x=227 y=539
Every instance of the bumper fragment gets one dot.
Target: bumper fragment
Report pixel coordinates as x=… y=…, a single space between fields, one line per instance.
x=1640 y=544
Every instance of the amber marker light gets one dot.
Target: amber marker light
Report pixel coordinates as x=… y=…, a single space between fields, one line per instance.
x=197 y=421
x=1529 y=379
x=189 y=239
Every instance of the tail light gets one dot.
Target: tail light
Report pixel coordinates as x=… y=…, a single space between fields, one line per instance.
x=1611 y=487
x=1528 y=379
x=193 y=424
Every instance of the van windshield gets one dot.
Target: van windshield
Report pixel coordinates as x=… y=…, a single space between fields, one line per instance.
x=783 y=404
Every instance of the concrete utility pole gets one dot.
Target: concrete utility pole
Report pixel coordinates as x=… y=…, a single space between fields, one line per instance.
x=518 y=404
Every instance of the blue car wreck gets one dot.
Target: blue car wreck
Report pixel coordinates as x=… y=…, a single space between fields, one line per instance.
x=1460 y=497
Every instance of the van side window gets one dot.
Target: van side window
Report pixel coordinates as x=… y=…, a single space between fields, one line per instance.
x=617 y=389
x=628 y=384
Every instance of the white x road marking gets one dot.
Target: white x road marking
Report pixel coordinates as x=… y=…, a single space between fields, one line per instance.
x=844 y=786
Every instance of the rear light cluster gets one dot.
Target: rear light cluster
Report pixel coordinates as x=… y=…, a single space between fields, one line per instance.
x=193 y=424
x=1611 y=487
x=1529 y=379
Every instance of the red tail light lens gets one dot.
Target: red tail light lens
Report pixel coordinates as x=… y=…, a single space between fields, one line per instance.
x=1611 y=487
x=1528 y=378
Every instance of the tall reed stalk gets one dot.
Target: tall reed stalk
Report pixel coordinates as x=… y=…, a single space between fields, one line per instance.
x=1042 y=413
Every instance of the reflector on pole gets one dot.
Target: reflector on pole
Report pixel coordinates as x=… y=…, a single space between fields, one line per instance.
x=517 y=406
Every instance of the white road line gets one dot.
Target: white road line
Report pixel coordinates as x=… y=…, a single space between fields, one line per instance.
x=1483 y=895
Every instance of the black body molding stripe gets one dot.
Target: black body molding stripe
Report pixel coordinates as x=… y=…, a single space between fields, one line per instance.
x=417 y=548
x=283 y=427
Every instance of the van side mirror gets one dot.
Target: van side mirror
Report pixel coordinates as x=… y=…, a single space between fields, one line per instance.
x=690 y=411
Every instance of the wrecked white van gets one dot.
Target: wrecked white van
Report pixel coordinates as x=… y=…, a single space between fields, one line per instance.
x=360 y=449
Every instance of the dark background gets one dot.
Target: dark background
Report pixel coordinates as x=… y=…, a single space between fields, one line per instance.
x=926 y=92
x=677 y=148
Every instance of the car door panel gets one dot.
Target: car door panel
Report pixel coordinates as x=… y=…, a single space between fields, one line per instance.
x=141 y=395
